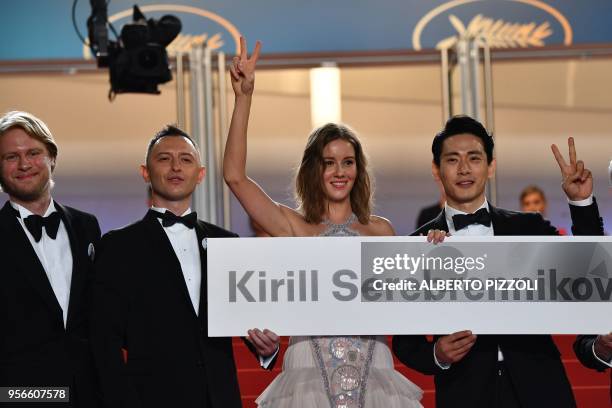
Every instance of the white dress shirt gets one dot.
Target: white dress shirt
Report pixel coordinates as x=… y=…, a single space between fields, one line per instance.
x=470 y=230
x=55 y=255
x=473 y=230
x=186 y=247
x=482 y=230
x=184 y=241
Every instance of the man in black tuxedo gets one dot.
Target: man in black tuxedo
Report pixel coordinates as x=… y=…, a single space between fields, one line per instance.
x=493 y=370
x=150 y=297
x=46 y=251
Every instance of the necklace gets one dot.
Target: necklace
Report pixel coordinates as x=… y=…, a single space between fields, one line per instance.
x=340 y=230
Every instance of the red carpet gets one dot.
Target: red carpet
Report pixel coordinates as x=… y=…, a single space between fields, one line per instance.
x=590 y=387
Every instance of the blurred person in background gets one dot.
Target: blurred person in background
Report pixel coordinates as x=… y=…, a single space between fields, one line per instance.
x=533 y=199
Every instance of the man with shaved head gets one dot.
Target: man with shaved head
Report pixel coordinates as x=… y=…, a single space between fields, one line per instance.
x=150 y=297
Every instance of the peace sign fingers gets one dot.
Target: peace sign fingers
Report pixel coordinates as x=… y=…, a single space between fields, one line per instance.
x=242 y=69
x=577 y=180
x=572 y=151
x=559 y=157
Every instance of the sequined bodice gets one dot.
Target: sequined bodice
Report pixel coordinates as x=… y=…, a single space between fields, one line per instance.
x=340 y=230
x=344 y=362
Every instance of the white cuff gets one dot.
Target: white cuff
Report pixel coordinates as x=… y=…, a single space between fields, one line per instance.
x=608 y=363
x=443 y=366
x=264 y=362
x=582 y=203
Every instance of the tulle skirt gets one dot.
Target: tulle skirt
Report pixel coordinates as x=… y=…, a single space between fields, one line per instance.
x=300 y=384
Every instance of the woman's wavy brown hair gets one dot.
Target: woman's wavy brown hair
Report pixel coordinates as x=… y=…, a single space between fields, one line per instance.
x=310 y=194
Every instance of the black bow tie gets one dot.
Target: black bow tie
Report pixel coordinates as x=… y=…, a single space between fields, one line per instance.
x=481 y=216
x=169 y=219
x=35 y=223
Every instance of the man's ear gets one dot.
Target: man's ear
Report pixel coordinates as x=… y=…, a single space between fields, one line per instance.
x=492 y=168
x=435 y=171
x=201 y=174
x=144 y=172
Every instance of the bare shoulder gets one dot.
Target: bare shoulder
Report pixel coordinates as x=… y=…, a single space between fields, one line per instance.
x=289 y=212
x=299 y=226
x=381 y=226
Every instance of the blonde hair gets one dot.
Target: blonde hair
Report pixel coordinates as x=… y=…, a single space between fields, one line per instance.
x=33 y=126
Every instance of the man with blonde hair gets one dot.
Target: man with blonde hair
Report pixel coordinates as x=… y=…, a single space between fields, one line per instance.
x=46 y=250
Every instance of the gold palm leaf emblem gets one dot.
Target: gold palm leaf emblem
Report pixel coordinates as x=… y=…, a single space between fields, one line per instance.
x=498 y=33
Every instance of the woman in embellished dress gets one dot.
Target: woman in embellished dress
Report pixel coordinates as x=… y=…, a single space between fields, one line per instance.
x=334 y=194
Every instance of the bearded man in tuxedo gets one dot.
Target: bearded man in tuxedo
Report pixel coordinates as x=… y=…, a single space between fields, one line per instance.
x=46 y=250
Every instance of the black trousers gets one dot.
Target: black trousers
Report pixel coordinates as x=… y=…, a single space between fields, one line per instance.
x=505 y=393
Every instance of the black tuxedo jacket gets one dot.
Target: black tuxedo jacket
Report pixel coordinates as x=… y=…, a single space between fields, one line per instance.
x=35 y=348
x=141 y=304
x=427 y=214
x=583 y=347
x=532 y=361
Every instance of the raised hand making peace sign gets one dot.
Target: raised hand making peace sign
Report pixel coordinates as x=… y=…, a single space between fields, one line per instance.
x=577 y=181
x=242 y=69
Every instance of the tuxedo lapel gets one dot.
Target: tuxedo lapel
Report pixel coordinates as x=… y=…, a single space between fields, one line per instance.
x=440 y=222
x=501 y=225
x=202 y=234
x=27 y=260
x=167 y=262
x=78 y=281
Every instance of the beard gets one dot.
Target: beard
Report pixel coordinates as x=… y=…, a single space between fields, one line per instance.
x=33 y=193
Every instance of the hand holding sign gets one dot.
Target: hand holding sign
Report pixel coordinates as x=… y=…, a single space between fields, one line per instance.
x=603 y=347
x=452 y=348
x=265 y=342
